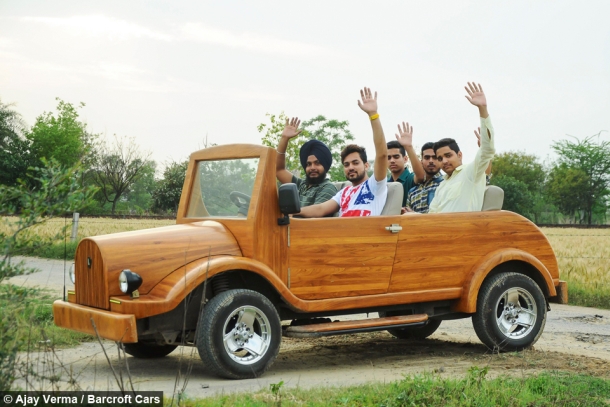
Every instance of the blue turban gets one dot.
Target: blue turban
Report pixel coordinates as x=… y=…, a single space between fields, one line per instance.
x=320 y=150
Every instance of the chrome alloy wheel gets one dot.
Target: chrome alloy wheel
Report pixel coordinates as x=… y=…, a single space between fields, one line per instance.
x=247 y=335
x=516 y=313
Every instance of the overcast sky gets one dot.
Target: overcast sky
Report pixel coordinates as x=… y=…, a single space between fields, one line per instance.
x=172 y=73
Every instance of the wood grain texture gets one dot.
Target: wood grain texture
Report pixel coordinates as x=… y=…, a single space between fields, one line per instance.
x=359 y=324
x=172 y=290
x=91 y=284
x=445 y=250
x=341 y=257
x=152 y=253
x=474 y=280
x=259 y=236
x=112 y=326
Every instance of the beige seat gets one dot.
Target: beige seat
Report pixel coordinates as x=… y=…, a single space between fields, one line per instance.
x=393 y=203
x=493 y=198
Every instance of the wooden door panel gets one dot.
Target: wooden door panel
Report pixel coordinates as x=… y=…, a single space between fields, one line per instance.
x=341 y=257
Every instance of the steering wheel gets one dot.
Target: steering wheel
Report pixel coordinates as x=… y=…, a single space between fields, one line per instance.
x=241 y=200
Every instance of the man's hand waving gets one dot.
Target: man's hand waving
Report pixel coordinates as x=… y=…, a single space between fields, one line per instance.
x=291 y=129
x=405 y=135
x=369 y=103
x=477 y=98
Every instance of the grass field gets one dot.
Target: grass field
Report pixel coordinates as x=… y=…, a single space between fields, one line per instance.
x=546 y=389
x=583 y=254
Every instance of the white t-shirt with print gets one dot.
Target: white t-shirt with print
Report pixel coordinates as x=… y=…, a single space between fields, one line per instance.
x=366 y=199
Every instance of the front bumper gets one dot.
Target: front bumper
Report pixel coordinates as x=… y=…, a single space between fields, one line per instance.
x=109 y=325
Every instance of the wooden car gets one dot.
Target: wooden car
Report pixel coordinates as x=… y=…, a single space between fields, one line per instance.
x=234 y=266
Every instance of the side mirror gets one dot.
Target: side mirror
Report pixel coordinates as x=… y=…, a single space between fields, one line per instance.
x=289 y=199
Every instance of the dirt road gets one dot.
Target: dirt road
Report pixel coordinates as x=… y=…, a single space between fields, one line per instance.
x=575 y=339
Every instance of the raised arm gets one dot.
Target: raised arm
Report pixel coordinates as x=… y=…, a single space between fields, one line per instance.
x=319 y=210
x=369 y=106
x=476 y=97
x=291 y=130
x=405 y=138
x=477 y=133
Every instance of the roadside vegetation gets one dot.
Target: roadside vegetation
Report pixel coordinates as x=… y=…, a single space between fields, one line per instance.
x=584 y=262
x=476 y=389
x=31 y=311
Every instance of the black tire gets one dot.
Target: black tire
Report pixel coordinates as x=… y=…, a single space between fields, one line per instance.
x=415 y=332
x=511 y=312
x=146 y=350
x=234 y=357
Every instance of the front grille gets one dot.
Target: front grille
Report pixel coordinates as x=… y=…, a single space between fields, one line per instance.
x=91 y=287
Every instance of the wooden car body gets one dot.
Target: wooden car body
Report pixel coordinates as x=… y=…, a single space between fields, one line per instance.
x=432 y=264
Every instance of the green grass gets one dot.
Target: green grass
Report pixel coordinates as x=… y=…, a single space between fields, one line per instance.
x=589 y=296
x=546 y=389
x=50 y=250
x=27 y=314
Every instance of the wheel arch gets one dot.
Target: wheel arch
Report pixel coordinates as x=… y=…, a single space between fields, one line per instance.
x=502 y=261
x=172 y=290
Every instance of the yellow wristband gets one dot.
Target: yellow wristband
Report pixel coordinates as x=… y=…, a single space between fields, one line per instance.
x=375 y=116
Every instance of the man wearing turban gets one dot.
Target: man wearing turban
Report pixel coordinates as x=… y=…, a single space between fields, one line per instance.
x=316 y=160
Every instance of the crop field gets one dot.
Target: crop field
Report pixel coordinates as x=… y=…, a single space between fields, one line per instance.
x=583 y=254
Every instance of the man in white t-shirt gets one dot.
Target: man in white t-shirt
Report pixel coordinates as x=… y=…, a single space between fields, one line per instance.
x=366 y=196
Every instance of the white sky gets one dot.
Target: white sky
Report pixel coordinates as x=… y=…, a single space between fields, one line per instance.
x=170 y=73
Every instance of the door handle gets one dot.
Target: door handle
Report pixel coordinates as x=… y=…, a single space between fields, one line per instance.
x=394 y=228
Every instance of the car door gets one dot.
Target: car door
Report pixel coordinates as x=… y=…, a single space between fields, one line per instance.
x=341 y=257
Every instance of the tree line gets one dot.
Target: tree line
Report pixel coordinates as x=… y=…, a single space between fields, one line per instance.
x=573 y=188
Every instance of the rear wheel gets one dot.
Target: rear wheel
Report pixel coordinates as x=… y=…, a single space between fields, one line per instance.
x=239 y=334
x=415 y=332
x=511 y=312
x=148 y=350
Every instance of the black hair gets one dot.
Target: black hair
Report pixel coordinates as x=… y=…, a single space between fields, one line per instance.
x=396 y=144
x=446 y=142
x=353 y=148
x=427 y=146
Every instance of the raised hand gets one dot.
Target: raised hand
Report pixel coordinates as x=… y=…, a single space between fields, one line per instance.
x=475 y=94
x=477 y=133
x=291 y=129
x=405 y=135
x=369 y=103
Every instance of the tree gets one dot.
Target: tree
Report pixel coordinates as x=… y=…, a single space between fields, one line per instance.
x=581 y=176
x=517 y=197
x=522 y=177
x=62 y=137
x=166 y=195
x=14 y=148
x=334 y=133
x=58 y=192
x=116 y=167
x=139 y=196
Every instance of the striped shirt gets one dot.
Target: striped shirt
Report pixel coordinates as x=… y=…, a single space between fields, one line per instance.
x=421 y=195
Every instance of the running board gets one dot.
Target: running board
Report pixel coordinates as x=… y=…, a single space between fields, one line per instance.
x=355 y=326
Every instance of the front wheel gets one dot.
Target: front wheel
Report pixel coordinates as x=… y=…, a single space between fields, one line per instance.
x=239 y=334
x=511 y=312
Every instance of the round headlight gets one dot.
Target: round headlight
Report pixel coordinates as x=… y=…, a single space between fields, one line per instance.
x=72 y=274
x=123 y=281
x=129 y=281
